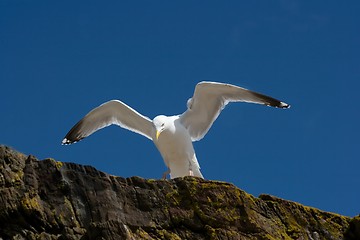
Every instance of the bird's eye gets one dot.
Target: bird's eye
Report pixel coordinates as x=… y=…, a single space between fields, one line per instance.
x=162 y=124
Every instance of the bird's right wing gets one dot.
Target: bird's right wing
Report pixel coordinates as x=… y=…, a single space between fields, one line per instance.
x=112 y=112
x=210 y=98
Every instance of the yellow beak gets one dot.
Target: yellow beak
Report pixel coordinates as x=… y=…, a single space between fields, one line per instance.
x=157 y=135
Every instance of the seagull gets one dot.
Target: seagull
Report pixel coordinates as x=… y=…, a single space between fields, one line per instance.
x=172 y=135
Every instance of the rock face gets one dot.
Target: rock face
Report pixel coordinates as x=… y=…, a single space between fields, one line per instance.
x=54 y=200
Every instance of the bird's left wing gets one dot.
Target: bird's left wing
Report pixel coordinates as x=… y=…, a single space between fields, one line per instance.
x=210 y=98
x=112 y=112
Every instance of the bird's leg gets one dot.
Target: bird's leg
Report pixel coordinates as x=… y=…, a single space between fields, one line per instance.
x=165 y=174
x=191 y=173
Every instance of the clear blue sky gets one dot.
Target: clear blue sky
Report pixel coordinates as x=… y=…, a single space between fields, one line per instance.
x=59 y=59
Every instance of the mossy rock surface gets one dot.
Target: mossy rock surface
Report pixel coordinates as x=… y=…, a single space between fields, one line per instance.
x=49 y=199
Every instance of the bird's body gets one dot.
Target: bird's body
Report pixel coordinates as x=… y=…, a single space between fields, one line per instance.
x=172 y=135
x=176 y=148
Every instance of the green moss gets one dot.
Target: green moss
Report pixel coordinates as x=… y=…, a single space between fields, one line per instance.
x=173 y=198
x=293 y=231
x=29 y=204
x=59 y=218
x=166 y=235
x=17 y=176
x=141 y=234
x=269 y=237
x=58 y=164
x=229 y=214
x=211 y=232
x=73 y=214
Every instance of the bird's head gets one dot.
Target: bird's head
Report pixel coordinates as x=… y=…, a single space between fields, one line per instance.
x=159 y=124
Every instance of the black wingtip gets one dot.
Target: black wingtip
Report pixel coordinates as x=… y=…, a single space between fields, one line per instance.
x=284 y=105
x=74 y=134
x=270 y=101
x=66 y=141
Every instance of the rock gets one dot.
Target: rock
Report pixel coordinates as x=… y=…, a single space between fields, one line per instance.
x=48 y=199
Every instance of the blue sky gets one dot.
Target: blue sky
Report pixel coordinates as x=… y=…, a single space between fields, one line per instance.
x=59 y=59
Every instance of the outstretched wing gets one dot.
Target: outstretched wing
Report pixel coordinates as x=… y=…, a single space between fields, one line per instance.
x=112 y=112
x=210 y=98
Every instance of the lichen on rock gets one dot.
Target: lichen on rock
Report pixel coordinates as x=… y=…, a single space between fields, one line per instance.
x=49 y=199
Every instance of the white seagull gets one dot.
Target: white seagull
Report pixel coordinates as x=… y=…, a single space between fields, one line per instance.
x=172 y=135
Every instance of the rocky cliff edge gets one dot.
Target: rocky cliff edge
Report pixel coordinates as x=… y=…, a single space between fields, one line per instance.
x=49 y=199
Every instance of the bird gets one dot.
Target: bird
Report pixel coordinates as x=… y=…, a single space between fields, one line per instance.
x=172 y=135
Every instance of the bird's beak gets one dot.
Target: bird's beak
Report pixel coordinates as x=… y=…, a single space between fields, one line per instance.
x=157 y=134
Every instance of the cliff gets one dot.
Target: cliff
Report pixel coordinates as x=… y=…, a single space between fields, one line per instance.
x=49 y=199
